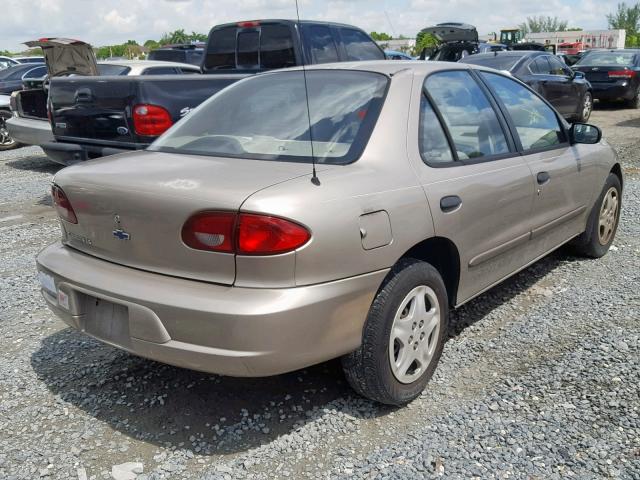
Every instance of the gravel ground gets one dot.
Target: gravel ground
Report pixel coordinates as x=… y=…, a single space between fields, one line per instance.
x=538 y=380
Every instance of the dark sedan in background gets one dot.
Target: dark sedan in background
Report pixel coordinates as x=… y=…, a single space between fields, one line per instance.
x=568 y=91
x=614 y=74
x=11 y=78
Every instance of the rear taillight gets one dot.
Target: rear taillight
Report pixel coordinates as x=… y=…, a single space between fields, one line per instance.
x=13 y=102
x=243 y=234
x=151 y=120
x=622 y=74
x=63 y=205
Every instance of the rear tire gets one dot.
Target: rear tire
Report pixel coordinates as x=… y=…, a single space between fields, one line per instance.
x=403 y=336
x=586 y=108
x=603 y=221
x=635 y=101
x=6 y=142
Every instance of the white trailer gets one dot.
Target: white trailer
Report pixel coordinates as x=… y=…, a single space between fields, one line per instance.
x=588 y=38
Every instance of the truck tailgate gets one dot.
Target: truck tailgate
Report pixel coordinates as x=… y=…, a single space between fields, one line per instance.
x=99 y=110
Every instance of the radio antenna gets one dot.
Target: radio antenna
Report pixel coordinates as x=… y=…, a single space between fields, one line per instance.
x=314 y=178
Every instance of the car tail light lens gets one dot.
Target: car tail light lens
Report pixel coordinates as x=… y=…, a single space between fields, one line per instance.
x=622 y=74
x=212 y=231
x=251 y=24
x=151 y=120
x=63 y=205
x=265 y=235
x=243 y=234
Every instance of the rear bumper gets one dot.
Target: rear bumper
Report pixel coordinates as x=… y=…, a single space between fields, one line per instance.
x=219 y=329
x=29 y=131
x=70 y=153
x=613 y=91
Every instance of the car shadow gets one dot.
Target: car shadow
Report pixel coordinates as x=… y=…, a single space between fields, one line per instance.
x=633 y=122
x=35 y=163
x=162 y=404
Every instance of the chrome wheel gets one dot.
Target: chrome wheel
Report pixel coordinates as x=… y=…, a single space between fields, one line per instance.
x=587 y=107
x=608 y=216
x=414 y=334
x=5 y=138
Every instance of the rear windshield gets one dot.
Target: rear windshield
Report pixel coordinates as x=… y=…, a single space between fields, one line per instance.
x=499 y=62
x=104 y=69
x=168 y=55
x=15 y=72
x=266 y=118
x=608 y=59
x=257 y=48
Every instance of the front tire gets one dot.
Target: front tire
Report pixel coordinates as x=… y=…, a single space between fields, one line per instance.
x=603 y=221
x=403 y=336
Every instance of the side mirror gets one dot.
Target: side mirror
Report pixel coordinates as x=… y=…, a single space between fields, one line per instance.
x=585 y=133
x=578 y=74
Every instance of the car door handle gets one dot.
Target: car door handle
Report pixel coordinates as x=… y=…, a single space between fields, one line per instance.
x=543 y=177
x=450 y=203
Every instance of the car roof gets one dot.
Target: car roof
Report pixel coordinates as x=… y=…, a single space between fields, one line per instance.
x=389 y=68
x=146 y=63
x=287 y=21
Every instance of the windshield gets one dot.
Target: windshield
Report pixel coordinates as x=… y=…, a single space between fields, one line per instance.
x=499 y=62
x=606 y=59
x=266 y=118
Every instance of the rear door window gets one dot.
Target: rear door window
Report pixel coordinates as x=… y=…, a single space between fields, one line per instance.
x=540 y=66
x=320 y=45
x=359 y=46
x=469 y=117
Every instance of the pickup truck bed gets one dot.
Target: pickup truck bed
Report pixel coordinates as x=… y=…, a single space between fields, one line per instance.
x=94 y=116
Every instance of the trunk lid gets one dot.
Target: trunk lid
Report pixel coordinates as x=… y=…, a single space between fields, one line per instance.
x=453 y=32
x=149 y=196
x=597 y=74
x=91 y=109
x=64 y=56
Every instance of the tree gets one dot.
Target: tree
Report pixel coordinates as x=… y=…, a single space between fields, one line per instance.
x=380 y=37
x=543 y=24
x=626 y=18
x=424 y=40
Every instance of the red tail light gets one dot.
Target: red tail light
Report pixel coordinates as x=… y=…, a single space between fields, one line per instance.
x=63 y=205
x=251 y=24
x=243 y=234
x=622 y=74
x=151 y=120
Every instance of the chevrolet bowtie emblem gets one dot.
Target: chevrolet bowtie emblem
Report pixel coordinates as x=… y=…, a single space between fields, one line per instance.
x=119 y=233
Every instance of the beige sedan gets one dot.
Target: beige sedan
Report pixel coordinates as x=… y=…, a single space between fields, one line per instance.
x=262 y=234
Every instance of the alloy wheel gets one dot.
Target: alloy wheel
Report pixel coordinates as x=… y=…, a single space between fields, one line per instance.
x=587 y=106
x=608 y=216
x=5 y=138
x=414 y=334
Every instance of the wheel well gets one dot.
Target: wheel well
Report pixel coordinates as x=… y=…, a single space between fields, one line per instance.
x=443 y=255
x=617 y=171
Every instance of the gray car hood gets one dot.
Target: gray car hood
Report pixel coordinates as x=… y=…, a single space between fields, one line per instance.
x=64 y=56
x=453 y=32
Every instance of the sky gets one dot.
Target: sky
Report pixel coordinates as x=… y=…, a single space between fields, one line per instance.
x=111 y=22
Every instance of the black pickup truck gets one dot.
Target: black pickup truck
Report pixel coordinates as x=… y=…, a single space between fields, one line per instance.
x=97 y=116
